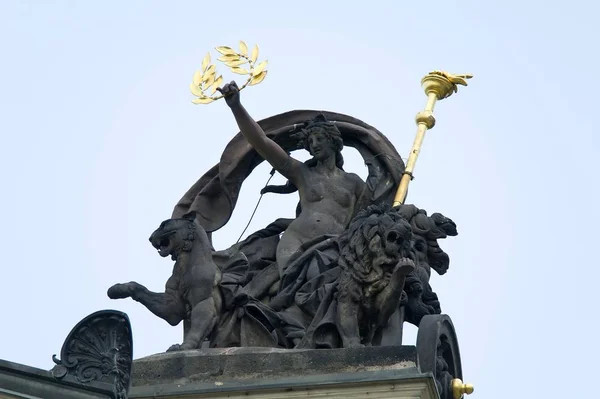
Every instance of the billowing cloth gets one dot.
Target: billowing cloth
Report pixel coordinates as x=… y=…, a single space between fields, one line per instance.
x=254 y=317
x=245 y=320
x=215 y=194
x=304 y=303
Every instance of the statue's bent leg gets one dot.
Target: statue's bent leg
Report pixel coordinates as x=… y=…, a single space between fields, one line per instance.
x=347 y=312
x=203 y=319
x=288 y=245
x=347 y=321
x=388 y=299
x=391 y=334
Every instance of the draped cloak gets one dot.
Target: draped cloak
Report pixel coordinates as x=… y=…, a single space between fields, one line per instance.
x=215 y=194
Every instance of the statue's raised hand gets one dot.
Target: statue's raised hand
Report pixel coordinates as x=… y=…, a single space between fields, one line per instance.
x=231 y=92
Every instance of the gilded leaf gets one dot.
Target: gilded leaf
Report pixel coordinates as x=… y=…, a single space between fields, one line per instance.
x=209 y=81
x=259 y=68
x=210 y=77
x=205 y=62
x=212 y=70
x=258 y=78
x=239 y=70
x=229 y=57
x=196 y=90
x=197 y=79
x=235 y=63
x=225 y=50
x=204 y=100
x=213 y=88
x=254 y=55
x=243 y=48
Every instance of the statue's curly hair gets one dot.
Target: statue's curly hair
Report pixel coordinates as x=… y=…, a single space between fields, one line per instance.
x=320 y=124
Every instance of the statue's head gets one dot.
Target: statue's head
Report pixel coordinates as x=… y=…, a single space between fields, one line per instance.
x=427 y=231
x=174 y=236
x=322 y=139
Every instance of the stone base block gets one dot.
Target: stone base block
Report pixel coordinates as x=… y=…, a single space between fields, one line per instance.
x=377 y=372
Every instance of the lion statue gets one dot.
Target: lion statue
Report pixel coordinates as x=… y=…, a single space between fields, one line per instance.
x=192 y=292
x=375 y=259
x=427 y=230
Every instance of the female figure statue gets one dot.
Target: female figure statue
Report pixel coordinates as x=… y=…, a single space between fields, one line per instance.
x=329 y=196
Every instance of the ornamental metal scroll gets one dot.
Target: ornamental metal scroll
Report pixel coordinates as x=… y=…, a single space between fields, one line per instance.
x=99 y=349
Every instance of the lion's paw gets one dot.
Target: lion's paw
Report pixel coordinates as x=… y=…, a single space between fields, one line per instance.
x=353 y=343
x=119 y=291
x=174 y=348
x=357 y=345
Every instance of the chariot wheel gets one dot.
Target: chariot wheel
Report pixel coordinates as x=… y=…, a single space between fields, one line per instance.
x=438 y=353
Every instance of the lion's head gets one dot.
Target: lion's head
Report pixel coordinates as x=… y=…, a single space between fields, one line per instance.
x=174 y=236
x=376 y=240
x=427 y=230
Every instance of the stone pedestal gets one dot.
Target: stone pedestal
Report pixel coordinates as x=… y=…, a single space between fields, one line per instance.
x=377 y=372
x=96 y=362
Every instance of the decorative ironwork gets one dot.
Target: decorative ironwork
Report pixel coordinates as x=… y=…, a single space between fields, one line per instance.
x=99 y=348
x=438 y=353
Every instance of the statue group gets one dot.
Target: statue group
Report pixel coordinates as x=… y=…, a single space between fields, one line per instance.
x=347 y=271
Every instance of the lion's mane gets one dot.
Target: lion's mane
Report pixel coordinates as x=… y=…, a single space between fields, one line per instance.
x=356 y=257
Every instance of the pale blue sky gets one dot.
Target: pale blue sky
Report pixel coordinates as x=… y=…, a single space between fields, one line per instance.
x=100 y=140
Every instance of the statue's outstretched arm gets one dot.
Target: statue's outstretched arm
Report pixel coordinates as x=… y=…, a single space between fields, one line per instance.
x=267 y=148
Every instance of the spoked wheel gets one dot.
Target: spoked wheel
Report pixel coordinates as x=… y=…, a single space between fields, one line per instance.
x=438 y=353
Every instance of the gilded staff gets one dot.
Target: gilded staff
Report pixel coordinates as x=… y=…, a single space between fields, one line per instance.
x=437 y=85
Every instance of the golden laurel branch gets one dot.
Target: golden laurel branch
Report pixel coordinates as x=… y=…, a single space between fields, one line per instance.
x=205 y=81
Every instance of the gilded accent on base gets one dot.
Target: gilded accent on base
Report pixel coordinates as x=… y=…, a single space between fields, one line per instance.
x=459 y=389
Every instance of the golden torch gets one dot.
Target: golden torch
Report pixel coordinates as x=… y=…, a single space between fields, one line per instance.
x=437 y=85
